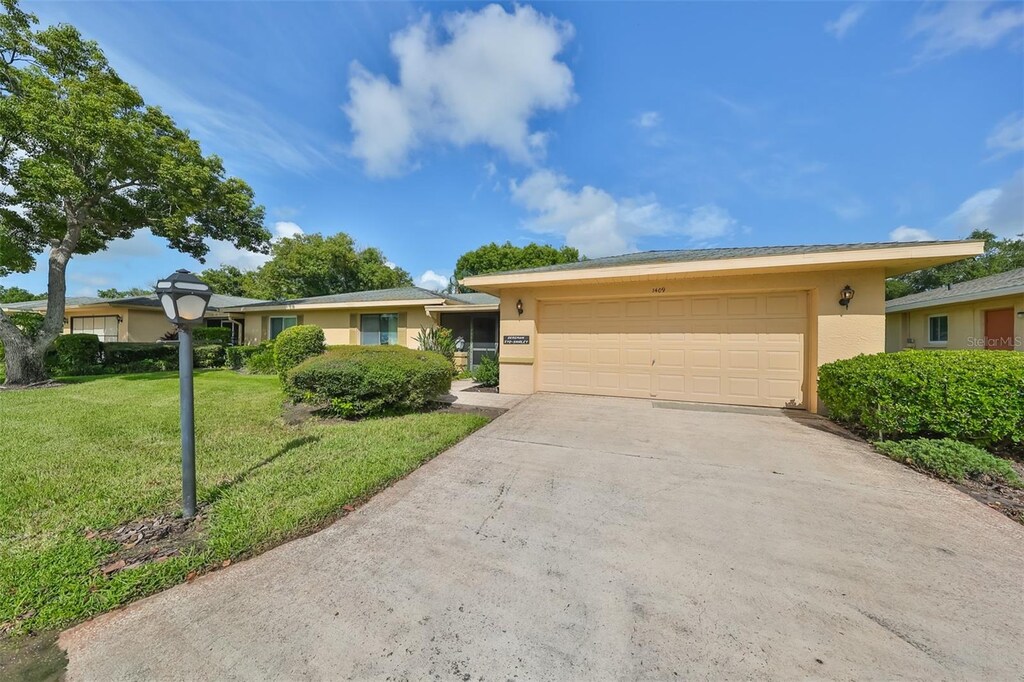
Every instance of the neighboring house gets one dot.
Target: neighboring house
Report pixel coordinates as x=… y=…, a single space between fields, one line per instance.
x=382 y=317
x=745 y=326
x=982 y=313
x=137 y=318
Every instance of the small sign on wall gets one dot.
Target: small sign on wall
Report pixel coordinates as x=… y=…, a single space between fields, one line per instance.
x=516 y=340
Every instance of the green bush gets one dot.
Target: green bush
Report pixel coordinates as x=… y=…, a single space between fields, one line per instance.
x=261 y=360
x=75 y=354
x=362 y=381
x=487 y=371
x=951 y=459
x=234 y=356
x=295 y=344
x=128 y=358
x=208 y=356
x=969 y=395
x=221 y=335
x=438 y=340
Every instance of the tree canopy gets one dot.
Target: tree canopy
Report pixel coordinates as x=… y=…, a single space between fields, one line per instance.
x=17 y=294
x=498 y=257
x=83 y=161
x=1001 y=255
x=124 y=293
x=310 y=265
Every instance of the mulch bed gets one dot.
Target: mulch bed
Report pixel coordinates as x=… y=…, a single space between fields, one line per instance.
x=146 y=540
x=49 y=383
x=481 y=389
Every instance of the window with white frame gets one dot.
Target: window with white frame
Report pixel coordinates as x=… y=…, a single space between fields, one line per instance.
x=378 y=330
x=105 y=327
x=279 y=324
x=938 y=329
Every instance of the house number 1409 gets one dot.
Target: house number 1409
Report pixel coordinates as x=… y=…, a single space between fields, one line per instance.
x=658 y=290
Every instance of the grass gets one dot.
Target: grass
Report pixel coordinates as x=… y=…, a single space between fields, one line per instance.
x=103 y=451
x=951 y=459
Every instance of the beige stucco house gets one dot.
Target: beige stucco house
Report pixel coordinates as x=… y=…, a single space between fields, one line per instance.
x=382 y=317
x=982 y=313
x=136 y=318
x=745 y=326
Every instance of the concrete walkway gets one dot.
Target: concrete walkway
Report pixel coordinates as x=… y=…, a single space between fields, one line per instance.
x=464 y=395
x=597 y=539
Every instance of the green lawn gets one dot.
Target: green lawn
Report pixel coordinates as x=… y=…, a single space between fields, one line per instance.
x=103 y=451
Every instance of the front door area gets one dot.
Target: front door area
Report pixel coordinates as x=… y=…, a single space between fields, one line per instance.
x=999 y=329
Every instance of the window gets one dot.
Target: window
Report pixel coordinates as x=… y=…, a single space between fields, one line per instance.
x=938 y=329
x=279 y=324
x=104 y=327
x=378 y=330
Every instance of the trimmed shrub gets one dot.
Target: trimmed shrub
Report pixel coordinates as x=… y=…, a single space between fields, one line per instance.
x=970 y=395
x=208 y=356
x=295 y=344
x=234 y=356
x=951 y=459
x=487 y=371
x=261 y=360
x=221 y=335
x=438 y=340
x=75 y=354
x=126 y=358
x=363 y=381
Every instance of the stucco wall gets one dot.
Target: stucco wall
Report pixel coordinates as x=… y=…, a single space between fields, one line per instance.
x=341 y=326
x=966 y=324
x=833 y=331
x=146 y=325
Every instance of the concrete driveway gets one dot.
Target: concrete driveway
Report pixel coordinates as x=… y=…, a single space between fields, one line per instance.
x=599 y=538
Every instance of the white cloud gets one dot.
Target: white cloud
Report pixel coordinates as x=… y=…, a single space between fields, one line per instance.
x=1008 y=135
x=846 y=20
x=284 y=228
x=472 y=78
x=998 y=209
x=647 y=119
x=958 y=26
x=598 y=224
x=905 y=233
x=432 y=280
x=850 y=208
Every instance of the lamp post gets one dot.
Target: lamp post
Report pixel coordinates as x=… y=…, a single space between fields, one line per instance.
x=184 y=298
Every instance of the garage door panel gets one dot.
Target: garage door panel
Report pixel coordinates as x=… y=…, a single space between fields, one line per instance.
x=745 y=349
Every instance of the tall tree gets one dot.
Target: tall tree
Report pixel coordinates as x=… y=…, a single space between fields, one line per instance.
x=498 y=257
x=314 y=265
x=228 y=280
x=1001 y=255
x=83 y=161
x=124 y=293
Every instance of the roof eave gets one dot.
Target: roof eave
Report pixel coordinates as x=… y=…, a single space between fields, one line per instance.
x=403 y=303
x=895 y=306
x=896 y=260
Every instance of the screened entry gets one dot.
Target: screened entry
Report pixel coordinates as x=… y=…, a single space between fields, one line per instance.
x=478 y=333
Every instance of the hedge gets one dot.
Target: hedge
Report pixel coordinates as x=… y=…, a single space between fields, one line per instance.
x=221 y=335
x=261 y=360
x=75 y=354
x=970 y=395
x=295 y=344
x=362 y=381
x=235 y=356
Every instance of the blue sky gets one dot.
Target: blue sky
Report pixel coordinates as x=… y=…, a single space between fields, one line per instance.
x=428 y=130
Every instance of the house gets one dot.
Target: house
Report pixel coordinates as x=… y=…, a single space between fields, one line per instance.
x=136 y=318
x=746 y=326
x=380 y=317
x=982 y=313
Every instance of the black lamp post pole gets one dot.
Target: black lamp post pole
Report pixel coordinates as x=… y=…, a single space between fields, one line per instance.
x=188 y=426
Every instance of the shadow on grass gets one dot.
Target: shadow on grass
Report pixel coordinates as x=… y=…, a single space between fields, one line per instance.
x=218 y=491
x=140 y=376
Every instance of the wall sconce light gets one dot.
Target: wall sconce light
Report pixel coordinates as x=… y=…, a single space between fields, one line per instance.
x=120 y=319
x=519 y=306
x=845 y=296
x=1020 y=313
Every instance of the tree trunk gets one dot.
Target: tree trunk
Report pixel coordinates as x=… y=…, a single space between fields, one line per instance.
x=24 y=361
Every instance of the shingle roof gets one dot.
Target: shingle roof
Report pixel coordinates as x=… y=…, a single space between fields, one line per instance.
x=689 y=255
x=1005 y=283
x=41 y=303
x=474 y=299
x=399 y=294
x=217 y=301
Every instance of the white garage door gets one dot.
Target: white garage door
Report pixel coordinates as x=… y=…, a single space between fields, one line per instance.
x=734 y=349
